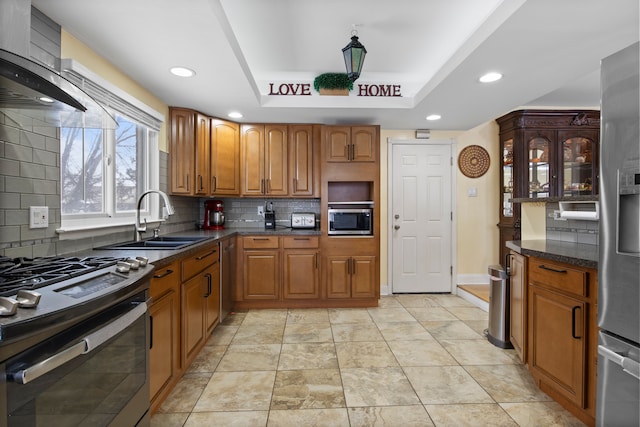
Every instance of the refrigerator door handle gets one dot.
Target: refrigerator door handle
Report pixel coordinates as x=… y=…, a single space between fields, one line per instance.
x=627 y=364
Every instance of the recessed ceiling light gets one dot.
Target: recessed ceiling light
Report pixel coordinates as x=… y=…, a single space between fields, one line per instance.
x=235 y=115
x=490 y=77
x=434 y=117
x=182 y=72
x=45 y=99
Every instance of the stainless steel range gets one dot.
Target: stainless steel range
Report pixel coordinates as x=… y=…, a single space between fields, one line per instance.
x=74 y=340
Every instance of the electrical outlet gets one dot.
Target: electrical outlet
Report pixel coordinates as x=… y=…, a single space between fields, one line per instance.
x=261 y=210
x=38 y=216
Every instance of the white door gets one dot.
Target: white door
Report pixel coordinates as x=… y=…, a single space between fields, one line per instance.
x=421 y=218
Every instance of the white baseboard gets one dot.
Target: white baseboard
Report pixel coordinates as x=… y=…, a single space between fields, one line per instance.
x=481 y=304
x=472 y=279
x=384 y=290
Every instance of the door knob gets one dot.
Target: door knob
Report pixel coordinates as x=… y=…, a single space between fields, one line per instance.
x=397 y=227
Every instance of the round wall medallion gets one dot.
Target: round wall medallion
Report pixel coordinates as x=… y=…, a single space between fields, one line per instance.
x=473 y=161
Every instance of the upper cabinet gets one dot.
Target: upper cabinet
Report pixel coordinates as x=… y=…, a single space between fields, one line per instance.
x=264 y=160
x=350 y=143
x=545 y=153
x=304 y=160
x=182 y=146
x=225 y=158
x=190 y=152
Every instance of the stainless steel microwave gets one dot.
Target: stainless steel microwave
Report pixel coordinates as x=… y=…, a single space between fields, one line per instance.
x=350 y=221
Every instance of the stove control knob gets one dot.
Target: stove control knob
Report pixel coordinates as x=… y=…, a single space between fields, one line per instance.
x=8 y=306
x=135 y=264
x=123 y=267
x=143 y=260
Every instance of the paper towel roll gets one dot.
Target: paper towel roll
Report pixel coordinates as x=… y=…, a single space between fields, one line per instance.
x=586 y=215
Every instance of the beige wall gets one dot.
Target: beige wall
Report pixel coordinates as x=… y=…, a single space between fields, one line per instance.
x=477 y=233
x=75 y=49
x=533 y=221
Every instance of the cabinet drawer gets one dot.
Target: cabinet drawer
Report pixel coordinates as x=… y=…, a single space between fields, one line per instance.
x=164 y=279
x=260 y=242
x=303 y=242
x=558 y=276
x=198 y=262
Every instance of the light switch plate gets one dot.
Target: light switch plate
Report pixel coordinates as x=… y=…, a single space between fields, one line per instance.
x=472 y=192
x=38 y=216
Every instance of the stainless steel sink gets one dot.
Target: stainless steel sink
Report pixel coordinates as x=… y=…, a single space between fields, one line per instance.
x=162 y=242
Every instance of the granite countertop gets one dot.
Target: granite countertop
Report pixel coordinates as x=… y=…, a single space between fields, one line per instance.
x=162 y=257
x=584 y=198
x=578 y=254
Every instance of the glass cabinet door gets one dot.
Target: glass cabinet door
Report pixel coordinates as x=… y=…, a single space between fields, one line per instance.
x=577 y=161
x=507 y=178
x=539 y=167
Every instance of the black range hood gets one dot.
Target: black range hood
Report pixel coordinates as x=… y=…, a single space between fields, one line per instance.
x=28 y=86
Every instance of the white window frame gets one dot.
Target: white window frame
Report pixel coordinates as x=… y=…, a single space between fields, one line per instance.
x=116 y=102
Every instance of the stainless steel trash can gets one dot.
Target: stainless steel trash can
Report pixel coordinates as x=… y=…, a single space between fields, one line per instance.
x=498 y=330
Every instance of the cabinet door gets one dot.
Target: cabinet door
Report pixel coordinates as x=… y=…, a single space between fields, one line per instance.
x=301 y=275
x=182 y=149
x=261 y=274
x=338 y=270
x=225 y=158
x=164 y=316
x=252 y=156
x=337 y=143
x=202 y=156
x=364 y=143
x=212 y=298
x=193 y=308
x=557 y=341
x=517 y=304
x=301 y=160
x=363 y=273
x=276 y=160
x=578 y=163
x=542 y=172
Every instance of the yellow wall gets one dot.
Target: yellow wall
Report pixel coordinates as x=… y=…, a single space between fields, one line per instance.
x=75 y=49
x=533 y=221
x=477 y=233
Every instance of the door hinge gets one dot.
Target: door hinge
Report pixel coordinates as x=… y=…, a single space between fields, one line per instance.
x=451 y=270
x=451 y=161
x=451 y=215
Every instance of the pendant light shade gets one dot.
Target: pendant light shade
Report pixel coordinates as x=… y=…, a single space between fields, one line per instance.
x=354 y=54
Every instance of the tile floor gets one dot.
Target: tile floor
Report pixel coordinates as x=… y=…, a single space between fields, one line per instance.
x=416 y=360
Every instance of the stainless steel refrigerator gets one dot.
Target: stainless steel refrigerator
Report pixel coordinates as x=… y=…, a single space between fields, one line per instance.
x=618 y=398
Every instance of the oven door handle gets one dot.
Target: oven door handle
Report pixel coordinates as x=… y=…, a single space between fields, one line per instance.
x=86 y=345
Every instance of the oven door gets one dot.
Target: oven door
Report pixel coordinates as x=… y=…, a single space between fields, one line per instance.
x=93 y=374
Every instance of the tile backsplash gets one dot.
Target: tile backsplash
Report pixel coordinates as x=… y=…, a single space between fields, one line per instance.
x=570 y=230
x=243 y=212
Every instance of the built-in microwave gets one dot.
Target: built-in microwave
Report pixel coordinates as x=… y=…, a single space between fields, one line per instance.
x=350 y=221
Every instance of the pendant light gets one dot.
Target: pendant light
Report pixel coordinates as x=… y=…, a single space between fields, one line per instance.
x=354 y=54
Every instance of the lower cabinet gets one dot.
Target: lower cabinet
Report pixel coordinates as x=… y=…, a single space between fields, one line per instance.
x=164 y=318
x=275 y=269
x=200 y=297
x=562 y=334
x=351 y=276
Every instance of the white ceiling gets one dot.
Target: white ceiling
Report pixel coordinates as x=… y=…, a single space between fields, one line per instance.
x=548 y=50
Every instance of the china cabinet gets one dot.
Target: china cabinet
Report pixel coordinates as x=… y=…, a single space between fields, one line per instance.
x=543 y=154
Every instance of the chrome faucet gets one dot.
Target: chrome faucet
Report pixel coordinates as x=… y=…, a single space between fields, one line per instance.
x=141 y=229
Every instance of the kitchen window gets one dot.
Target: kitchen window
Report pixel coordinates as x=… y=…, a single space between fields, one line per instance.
x=102 y=170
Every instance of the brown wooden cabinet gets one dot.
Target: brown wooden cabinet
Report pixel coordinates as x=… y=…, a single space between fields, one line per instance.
x=301 y=269
x=164 y=318
x=350 y=143
x=304 y=160
x=544 y=153
x=200 y=294
x=225 y=158
x=261 y=268
x=518 y=304
x=189 y=147
x=562 y=334
x=351 y=276
x=264 y=160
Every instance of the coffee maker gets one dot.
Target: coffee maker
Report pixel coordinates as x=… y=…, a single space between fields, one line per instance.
x=213 y=215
